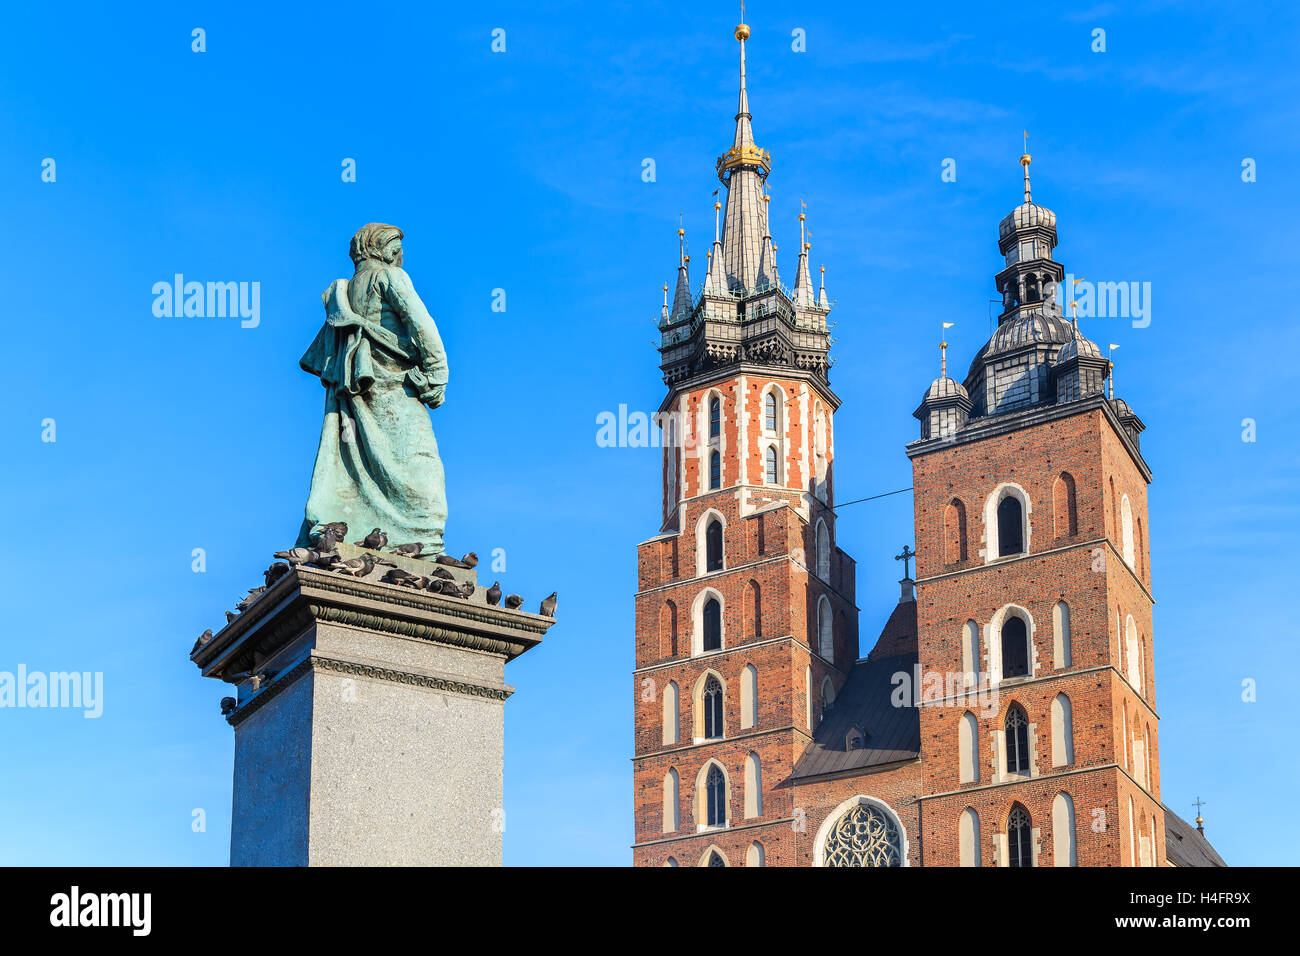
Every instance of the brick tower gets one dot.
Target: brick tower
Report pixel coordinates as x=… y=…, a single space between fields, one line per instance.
x=745 y=617
x=1033 y=593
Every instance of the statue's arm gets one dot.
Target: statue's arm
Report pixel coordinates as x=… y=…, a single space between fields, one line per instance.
x=423 y=330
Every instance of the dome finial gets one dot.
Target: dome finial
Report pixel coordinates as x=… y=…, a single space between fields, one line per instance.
x=1025 y=160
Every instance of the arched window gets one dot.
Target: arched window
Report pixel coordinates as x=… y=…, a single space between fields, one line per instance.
x=1141 y=553
x=828 y=696
x=823 y=551
x=753 y=787
x=968 y=748
x=755 y=855
x=771 y=473
x=825 y=635
x=715 y=798
x=970 y=653
x=672 y=820
x=1061 y=652
x=715 y=417
x=712 y=702
x=715 y=859
x=866 y=833
x=807 y=695
x=748 y=696
x=1064 y=508
x=1146 y=756
x=968 y=837
x=1065 y=850
x=819 y=450
x=770 y=411
x=954 y=532
x=715 y=470
x=1017 y=740
x=672 y=712
x=1132 y=840
x=713 y=546
x=1126 y=530
x=1011 y=527
x=1020 y=851
x=1062 y=731
x=1015 y=647
x=712 y=620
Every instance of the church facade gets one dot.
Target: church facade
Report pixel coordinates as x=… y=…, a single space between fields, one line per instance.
x=1004 y=714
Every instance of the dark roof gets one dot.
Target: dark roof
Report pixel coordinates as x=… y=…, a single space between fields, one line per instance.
x=892 y=733
x=1185 y=845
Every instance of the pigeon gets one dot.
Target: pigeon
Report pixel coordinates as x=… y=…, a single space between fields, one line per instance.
x=494 y=593
x=374 y=541
x=443 y=573
x=469 y=561
x=357 y=567
x=262 y=679
x=299 y=555
x=462 y=592
x=337 y=528
x=405 y=578
x=203 y=639
x=230 y=616
x=247 y=602
x=436 y=585
x=467 y=589
x=227 y=706
x=327 y=541
x=548 y=605
x=275 y=572
x=325 y=561
x=410 y=550
x=513 y=601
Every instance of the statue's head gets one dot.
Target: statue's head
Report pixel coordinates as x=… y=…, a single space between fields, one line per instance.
x=378 y=241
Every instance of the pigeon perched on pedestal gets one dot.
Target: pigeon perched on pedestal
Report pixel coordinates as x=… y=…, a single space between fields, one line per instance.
x=230 y=616
x=443 y=573
x=374 y=541
x=357 y=567
x=469 y=561
x=337 y=528
x=275 y=572
x=411 y=550
x=327 y=542
x=203 y=639
x=248 y=601
x=513 y=601
x=548 y=605
x=228 y=705
x=405 y=578
x=299 y=555
x=494 y=593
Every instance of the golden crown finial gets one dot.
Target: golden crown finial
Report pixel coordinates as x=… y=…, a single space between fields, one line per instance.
x=717 y=204
x=742 y=33
x=681 y=232
x=1026 y=159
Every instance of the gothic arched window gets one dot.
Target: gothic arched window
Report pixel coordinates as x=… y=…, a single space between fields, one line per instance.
x=712 y=709
x=769 y=412
x=715 y=795
x=1017 y=740
x=715 y=859
x=1011 y=526
x=713 y=546
x=1015 y=647
x=1019 y=835
x=770 y=474
x=712 y=625
x=715 y=470
x=866 y=835
x=715 y=417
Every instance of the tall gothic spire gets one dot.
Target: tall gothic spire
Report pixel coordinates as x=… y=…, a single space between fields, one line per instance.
x=803 y=290
x=682 y=300
x=742 y=169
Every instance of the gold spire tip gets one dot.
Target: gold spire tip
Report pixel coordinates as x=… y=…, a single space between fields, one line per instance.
x=717 y=205
x=1026 y=159
x=742 y=32
x=681 y=232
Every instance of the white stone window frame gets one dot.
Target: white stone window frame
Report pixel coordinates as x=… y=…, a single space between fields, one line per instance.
x=823 y=832
x=712 y=444
x=822 y=535
x=993 y=645
x=1004 y=490
x=702 y=542
x=826 y=633
x=701 y=802
x=697 y=707
x=697 y=622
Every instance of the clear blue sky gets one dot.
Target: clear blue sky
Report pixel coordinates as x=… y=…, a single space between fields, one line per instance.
x=522 y=171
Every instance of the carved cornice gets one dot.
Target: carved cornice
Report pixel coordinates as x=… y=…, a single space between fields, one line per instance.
x=307 y=596
x=283 y=681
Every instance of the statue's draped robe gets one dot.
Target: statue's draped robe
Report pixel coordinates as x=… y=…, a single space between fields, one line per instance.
x=381 y=360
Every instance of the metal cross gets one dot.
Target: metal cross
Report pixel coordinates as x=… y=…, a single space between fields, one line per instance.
x=906 y=557
x=1199 y=804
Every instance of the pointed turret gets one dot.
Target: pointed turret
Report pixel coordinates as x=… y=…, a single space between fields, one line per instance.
x=715 y=283
x=682 y=300
x=743 y=169
x=803 y=288
x=822 y=301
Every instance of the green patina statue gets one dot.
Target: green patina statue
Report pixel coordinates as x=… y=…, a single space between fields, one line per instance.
x=381 y=360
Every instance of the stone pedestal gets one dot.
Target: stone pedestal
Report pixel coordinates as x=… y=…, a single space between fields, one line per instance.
x=369 y=721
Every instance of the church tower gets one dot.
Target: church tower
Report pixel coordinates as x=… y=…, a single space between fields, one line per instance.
x=1038 y=730
x=745 y=618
